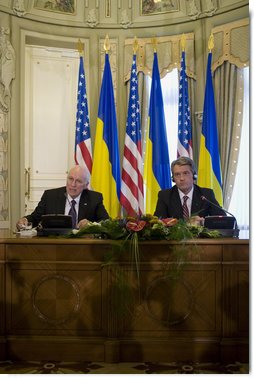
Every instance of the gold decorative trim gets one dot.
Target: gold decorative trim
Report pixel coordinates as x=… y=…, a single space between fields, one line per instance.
x=169 y=55
x=231 y=43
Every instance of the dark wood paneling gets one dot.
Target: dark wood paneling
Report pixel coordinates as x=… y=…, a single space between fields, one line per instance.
x=61 y=302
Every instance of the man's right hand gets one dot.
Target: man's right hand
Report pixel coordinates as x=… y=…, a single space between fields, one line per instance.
x=21 y=223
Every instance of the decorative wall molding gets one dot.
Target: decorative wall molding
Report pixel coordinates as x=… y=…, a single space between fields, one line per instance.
x=92 y=19
x=231 y=43
x=118 y=13
x=201 y=8
x=19 y=8
x=169 y=54
x=7 y=74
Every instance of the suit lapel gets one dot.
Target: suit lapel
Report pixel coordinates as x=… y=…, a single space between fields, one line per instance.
x=61 y=201
x=177 y=203
x=83 y=205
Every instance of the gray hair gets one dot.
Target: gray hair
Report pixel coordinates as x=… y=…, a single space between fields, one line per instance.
x=183 y=161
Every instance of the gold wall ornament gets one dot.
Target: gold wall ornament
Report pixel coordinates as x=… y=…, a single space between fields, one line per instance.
x=106 y=44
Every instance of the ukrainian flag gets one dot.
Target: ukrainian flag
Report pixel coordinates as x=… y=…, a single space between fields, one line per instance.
x=106 y=162
x=157 y=167
x=209 y=168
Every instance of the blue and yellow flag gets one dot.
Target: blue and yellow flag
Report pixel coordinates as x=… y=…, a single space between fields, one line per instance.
x=157 y=167
x=209 y=168
x=106 y=161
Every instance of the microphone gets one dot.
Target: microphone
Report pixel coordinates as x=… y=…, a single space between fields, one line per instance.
x=219 y=207
x=216 y=206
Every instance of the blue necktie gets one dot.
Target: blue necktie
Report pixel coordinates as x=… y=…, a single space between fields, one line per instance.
x=73 y=214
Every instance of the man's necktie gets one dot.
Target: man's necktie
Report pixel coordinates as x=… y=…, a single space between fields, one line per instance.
x=73 y=214
x=185 y=208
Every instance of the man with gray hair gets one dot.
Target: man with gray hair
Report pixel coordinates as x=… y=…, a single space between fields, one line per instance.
x=186 y=200
x=74 y=199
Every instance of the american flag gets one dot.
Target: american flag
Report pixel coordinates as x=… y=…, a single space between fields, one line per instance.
x=184 y=145
x=83 y=149
x=132 y=196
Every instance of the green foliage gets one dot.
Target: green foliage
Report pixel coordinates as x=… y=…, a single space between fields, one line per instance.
x=145 y=228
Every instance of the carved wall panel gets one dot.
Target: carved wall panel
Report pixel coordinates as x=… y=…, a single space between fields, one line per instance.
x=43 y=300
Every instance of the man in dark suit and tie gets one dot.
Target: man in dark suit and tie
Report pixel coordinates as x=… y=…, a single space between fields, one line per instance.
x=75 y=199
x=186 y=200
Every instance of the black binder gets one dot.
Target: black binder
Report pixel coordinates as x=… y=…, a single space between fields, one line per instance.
x=226 y=225
x=54 y=224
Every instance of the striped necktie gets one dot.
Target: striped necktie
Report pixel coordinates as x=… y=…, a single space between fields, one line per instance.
x=185 y=208
x=73 y=214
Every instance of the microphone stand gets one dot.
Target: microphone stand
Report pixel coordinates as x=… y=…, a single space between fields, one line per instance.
x=228 y=232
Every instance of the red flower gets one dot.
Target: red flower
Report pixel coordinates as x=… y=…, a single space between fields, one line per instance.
x=135 y=226
x=169 y=221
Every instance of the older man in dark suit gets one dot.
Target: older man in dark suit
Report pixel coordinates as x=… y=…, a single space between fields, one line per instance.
x=87 y=205
x=186 y=200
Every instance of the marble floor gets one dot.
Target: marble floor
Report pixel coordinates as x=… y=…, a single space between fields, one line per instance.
x=53 y=367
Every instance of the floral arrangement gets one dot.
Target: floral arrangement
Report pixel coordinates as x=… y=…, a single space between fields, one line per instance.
x=145 y=227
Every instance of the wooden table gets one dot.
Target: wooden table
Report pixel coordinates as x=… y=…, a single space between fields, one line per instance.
x=59 y=301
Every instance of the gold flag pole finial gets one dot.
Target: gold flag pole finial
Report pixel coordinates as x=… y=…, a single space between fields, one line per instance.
x=80 y=47
x=211 y=42
x=135 y=45
x=106 y=44
x=183 y=42
x=154 y=43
